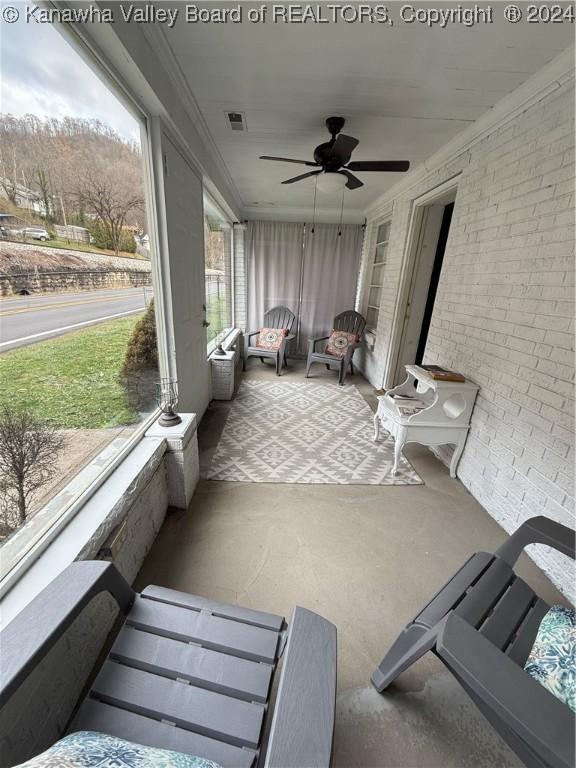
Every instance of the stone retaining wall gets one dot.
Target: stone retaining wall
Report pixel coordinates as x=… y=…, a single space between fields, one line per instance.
x=69 y=280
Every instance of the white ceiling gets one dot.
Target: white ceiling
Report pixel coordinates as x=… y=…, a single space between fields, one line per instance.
x=404 y=90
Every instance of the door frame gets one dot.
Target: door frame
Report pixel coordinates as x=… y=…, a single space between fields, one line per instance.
x=447 y=190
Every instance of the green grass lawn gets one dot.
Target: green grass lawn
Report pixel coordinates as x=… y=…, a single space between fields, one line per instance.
x=71 y=245
x=72 y=380
x=216 y=316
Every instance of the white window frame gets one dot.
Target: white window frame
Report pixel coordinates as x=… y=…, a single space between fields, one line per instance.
x=371 y=266
x=211 y=345
x=43 y=534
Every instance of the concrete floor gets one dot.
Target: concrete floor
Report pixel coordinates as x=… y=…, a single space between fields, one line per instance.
x=365 y=557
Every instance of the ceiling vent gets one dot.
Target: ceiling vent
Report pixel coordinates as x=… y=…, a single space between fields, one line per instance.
x=236 y=121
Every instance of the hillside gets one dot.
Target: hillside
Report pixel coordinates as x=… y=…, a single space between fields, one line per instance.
x=17 y=259
x=59 y=159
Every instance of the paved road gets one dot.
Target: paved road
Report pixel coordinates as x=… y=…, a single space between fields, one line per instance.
x=29 y=319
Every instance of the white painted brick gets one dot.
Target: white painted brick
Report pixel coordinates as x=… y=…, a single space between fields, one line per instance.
x=504 y=314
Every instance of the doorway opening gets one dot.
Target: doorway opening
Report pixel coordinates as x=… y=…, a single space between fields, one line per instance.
x=429 y=235
x=434 y=280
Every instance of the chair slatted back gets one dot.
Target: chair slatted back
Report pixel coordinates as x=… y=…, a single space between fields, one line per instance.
x=501 y=606
x=279 y=317
x=350 y=322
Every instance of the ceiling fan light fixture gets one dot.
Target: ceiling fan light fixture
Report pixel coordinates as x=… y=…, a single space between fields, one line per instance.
x=331 y=182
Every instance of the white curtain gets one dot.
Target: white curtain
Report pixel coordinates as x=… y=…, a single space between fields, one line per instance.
x=274 y=263
x=313 y=273
x=331 y=266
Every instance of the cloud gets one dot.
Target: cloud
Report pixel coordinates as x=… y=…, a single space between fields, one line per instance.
x=43 y=75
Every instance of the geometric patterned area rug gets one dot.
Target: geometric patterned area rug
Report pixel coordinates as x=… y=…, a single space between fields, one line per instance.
x=304 y=432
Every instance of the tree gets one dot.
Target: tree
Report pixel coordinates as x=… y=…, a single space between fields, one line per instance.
x=139 y=371
x=41 y=180
x=8 y=180
x=111 y=203
x=29 y=450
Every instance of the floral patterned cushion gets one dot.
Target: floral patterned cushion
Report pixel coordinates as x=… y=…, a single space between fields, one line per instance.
x=88 y=749
x=552 y=660
x=339 y=342
x=271 y=338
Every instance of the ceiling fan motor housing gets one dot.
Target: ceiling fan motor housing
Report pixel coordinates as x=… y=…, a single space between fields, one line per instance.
x=335 y=125
x=323 y=156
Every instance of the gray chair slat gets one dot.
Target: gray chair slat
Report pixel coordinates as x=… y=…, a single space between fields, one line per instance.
x=97 y=716
x=210 y=631
x=204 y=668
x=246 y=615
x=485 y=593
x=211 y=714
x=500 y=626
x=303 y=723
x=262 y=351
x=325 y=357
x=350 y=322
x=450 y=594
x=279 y=317
x=520 y=647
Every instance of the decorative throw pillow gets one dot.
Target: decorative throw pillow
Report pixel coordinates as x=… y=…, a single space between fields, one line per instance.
x=271 y=338
x=339 y=342
x=88 y=749
x=552 y=660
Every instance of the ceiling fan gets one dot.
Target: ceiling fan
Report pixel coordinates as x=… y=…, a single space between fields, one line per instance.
x=333 y=159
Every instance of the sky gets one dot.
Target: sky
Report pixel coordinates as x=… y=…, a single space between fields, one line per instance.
x=43 y=75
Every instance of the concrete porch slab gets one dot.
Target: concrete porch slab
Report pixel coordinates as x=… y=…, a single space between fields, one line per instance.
x=367 y=558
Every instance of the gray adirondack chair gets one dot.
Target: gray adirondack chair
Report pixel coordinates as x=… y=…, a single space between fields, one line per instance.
x=349 y=321
x=190 y=674
x=277 y=317
x=482 y=625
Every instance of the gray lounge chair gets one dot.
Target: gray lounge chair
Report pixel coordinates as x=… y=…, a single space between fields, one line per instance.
x=277 y=317
x=349 y=321
x=482 y=625
x=189 y=674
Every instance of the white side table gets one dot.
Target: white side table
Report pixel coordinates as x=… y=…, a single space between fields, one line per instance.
x=443 y=419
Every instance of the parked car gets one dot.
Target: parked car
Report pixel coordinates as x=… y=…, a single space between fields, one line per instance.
x=35 y=233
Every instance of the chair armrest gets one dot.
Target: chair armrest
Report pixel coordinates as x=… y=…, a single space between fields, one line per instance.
x=541 y=721
x=248 y=335
x=31 y=634
x=351 y=349
x=312 y=342
x=538 y=530
x=303 y=723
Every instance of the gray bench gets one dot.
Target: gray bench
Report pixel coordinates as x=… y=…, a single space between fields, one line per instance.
x=482 y=625
x=190 y=674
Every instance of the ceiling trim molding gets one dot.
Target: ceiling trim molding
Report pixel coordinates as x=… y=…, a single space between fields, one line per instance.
x=550 y=78
x=157 y=38
x=302 y=213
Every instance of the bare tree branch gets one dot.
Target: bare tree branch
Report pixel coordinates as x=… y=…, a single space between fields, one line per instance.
x=29 y=450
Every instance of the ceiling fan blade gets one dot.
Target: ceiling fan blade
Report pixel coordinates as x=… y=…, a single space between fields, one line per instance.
x=303 y=176
x=288 y=160
x=353 y=182
x=379 y=165
x=344 y=146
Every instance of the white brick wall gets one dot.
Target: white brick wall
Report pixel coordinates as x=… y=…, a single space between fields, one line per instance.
x=223 y=372
x=504 y=313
